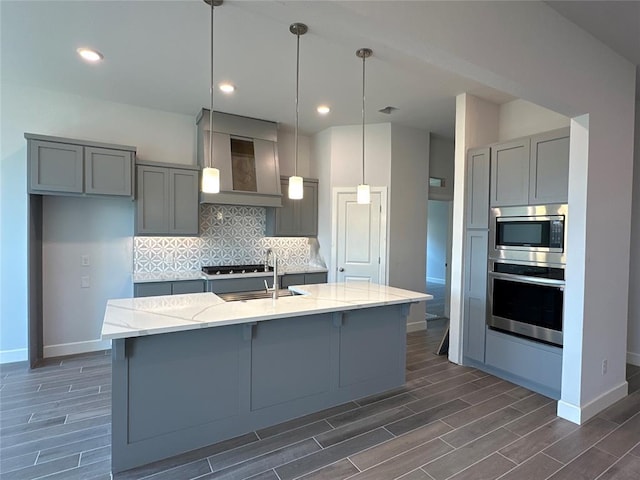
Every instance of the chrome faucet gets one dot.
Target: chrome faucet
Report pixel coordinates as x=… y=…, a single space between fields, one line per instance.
x=273 y=289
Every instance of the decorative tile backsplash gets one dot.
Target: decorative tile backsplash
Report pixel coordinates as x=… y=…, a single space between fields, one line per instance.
x=229 y=235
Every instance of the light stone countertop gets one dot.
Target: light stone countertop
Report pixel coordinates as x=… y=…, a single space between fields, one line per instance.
x=133 y=317
x=199 y=275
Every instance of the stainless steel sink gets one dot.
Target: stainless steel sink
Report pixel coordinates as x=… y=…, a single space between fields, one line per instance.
x=242 y=296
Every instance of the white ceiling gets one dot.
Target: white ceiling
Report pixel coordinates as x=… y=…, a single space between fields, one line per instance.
x=157 y=56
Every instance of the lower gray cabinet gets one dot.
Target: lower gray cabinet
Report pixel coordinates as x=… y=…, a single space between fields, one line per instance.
x=153 y=289
x=60 y=166
x=167 y=200
x=303 y=279
x=475 y=295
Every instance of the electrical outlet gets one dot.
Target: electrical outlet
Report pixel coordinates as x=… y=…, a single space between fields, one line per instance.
x=85 y=282
x=84 y=260
x=168 y=258
x=605 y=365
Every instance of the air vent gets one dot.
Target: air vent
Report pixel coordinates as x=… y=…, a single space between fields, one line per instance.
x=388 y=110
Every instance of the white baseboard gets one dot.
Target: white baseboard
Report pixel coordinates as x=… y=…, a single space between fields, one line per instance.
x=15 y=355
x=74 y=348
x=633 y=358
x=416 y=326
x=440 y=281
x=580 y=414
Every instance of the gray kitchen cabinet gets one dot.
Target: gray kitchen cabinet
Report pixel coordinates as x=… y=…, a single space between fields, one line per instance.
x=549 y=167
x=510 y=173
x=531 y=171
x=167 y=200
x=303 y=279
x=478 y=179
x=296 y=218
x=107 y=172
x=61 y=166
x=475 y=295
x=532 y=364
x=176 y=287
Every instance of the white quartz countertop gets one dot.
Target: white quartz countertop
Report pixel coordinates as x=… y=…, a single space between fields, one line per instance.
x=133 y=317
x=199 y=275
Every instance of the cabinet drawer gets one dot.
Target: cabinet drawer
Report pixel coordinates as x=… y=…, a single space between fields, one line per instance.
x=318 y=277
x=151 y=289
x=187 y=286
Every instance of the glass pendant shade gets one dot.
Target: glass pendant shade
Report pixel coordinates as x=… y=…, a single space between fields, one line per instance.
x=364 y=194
x=210 y=180
x=295 y=188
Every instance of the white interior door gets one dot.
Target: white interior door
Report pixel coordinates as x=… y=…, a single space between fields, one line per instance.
x=360 y=237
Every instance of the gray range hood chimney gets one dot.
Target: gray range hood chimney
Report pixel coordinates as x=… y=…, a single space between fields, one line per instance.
x=245 y=150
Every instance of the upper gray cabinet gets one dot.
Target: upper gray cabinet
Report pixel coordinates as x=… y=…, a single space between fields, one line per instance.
x=549 y=167
x=296 y=218
x=61 y=166
x=167 y=200
x=510 y=173
x=477 y=200
x=531 y=171
x=245 y=152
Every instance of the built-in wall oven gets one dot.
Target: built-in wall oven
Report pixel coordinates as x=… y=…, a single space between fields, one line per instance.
x=526 y=271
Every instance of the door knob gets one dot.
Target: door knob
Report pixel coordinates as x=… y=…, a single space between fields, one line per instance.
x=341 y=269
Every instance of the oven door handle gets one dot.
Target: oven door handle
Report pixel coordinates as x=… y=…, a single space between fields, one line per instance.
x=526 y=279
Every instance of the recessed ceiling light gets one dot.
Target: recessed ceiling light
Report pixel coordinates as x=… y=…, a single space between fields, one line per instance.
x=90 y=55
x=227 y=87
x=323 y=109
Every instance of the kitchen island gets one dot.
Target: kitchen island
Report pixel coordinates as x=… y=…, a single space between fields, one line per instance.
x=192 y=370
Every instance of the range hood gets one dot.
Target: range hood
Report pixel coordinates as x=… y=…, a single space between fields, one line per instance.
x=245 y=151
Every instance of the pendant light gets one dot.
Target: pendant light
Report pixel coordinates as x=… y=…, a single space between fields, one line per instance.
x=211 y=175
x=296 y=189
x=364 y=191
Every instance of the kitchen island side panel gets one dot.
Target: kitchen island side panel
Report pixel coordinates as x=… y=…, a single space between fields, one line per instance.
x=180 y=391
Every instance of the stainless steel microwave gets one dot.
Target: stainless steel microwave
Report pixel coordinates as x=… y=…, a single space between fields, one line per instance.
x=529 y=233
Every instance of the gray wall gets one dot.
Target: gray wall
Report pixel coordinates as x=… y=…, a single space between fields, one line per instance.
x=437 y=234
x=441 y=165
x=633 y=338
x=102 y=229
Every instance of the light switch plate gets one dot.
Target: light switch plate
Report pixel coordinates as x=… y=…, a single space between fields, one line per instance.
x=85 y=260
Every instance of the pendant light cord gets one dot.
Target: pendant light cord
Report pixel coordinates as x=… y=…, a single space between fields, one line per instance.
x=211 y=96
x=363 y=59
x=295 y=167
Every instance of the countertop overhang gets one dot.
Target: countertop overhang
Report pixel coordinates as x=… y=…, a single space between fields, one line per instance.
x=134 y=317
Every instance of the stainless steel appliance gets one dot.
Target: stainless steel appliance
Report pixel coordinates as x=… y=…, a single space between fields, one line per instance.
x=526 y=300
x=535 y=234
x=527 y=257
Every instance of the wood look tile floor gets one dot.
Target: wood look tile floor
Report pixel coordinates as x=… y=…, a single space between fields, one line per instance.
x=447 y=422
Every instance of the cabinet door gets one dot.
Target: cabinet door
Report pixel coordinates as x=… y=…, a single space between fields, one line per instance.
x=549 y=167
x=475 y=294
x=151 y=289
x=308 y=211
x=55 y=167
x=478 y=188
x=292 y=279
x=187 y=286
x=108 y=172
x=267 y=174
x=183 y=202
x=319 y=277
x=286 y=217
x=152 y=204
x=510 y=173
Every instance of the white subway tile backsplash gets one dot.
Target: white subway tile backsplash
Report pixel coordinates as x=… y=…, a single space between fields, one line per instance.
x=229 y=235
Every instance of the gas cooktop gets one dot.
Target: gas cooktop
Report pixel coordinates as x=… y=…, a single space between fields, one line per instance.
x=229 y=269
